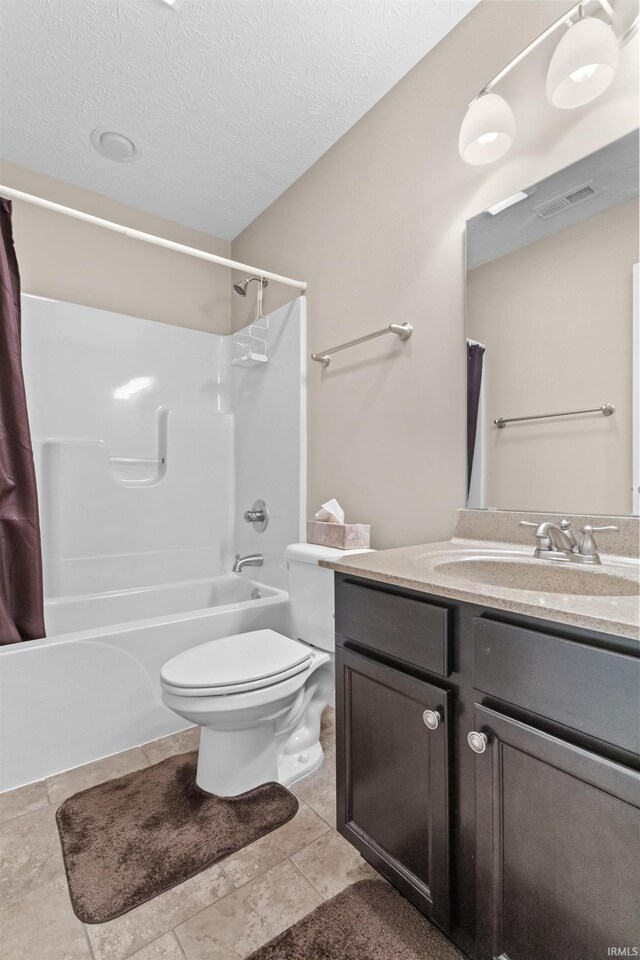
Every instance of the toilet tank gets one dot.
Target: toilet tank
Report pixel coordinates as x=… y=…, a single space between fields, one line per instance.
x=311 y=592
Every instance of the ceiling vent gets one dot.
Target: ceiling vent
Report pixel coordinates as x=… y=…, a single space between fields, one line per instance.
x=551 y=208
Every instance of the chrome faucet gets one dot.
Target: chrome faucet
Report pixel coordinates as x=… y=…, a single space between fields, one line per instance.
x=555 y=542
x=253 y=560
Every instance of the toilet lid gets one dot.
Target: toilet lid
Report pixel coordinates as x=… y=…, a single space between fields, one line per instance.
x=243 y=658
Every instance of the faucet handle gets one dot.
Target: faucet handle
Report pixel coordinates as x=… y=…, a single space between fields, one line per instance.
x=528 y=523
x=588 y=547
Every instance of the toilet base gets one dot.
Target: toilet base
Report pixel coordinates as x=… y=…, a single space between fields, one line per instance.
x=231 y=762
x=292 y=769
x=235 y=761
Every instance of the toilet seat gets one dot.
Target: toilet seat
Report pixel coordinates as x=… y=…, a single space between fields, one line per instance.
x=236 y=664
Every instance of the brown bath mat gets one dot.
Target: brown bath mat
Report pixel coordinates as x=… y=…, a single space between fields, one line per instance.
x=368 y=921
x=127 y=840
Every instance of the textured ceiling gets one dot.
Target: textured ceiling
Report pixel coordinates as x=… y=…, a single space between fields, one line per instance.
x=227 y=102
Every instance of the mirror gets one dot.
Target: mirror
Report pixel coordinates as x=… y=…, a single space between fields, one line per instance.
x=553 y=418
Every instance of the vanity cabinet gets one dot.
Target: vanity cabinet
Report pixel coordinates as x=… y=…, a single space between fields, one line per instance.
x=522 y=841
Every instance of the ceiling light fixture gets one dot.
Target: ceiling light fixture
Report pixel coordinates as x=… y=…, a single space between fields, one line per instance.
x=581 y=68
x=488 y=130
x=583 y=64
x=113 y=145
x=508 y=202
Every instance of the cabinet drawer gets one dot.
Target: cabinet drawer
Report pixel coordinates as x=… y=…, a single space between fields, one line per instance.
x=591 y=690
x=412 y=631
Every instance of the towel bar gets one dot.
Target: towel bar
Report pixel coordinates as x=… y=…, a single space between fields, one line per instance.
x=606 y=410
x=402 y=330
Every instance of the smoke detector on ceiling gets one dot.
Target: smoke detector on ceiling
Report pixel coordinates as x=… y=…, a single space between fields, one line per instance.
x=113 y=145
x=551 y=208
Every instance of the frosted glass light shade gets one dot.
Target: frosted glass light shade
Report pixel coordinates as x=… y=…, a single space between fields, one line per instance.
x=583 y=64
x=487 y=131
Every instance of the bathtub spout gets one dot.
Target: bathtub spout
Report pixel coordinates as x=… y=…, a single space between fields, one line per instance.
x=253 y=560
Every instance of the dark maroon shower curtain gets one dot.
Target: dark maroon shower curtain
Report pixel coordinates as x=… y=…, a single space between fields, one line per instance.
x=475 y=356
x=21 y=600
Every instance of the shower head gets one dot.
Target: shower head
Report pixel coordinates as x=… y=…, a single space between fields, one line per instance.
x=241 y=287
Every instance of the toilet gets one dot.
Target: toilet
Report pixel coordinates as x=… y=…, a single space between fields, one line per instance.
x=259 y=696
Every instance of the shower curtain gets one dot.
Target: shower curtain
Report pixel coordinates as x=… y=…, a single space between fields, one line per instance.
x=21 y=595
x=475 y=357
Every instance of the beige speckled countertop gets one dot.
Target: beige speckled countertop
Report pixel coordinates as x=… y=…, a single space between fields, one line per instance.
x=569 y=593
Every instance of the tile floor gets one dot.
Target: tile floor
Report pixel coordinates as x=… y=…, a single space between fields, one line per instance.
x=223 y=913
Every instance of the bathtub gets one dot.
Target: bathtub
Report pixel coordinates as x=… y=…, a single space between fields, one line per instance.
x=91 y=688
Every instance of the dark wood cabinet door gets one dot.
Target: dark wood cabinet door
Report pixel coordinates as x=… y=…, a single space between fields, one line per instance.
x=393 y=796
x=557 y=847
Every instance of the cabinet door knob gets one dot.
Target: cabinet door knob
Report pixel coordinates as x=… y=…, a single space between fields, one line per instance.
x=432 y=718
x=477 y=741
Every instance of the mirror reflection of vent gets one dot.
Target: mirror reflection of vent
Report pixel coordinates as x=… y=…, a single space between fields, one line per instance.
x=567 y=200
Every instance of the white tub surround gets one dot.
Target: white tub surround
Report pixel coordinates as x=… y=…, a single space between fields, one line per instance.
x=150 y=444
x=133 y=439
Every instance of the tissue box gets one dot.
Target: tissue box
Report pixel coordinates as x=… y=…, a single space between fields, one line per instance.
x=344 y=536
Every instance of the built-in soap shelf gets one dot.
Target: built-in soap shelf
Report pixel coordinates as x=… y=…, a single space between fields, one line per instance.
x=136 y=469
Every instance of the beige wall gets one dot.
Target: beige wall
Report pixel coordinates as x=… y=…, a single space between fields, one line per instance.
x=376 y=227
x=66 y=259
x=556 y=319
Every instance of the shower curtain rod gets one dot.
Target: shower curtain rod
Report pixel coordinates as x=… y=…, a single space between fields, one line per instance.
x=10 y=194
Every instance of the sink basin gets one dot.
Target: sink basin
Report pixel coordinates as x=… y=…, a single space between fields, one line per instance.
x=540 y=576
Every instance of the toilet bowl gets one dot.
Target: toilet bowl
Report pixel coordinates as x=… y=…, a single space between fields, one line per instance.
x=258 y=697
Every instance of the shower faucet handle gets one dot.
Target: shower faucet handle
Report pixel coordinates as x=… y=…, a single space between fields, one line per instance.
x=258 y=515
